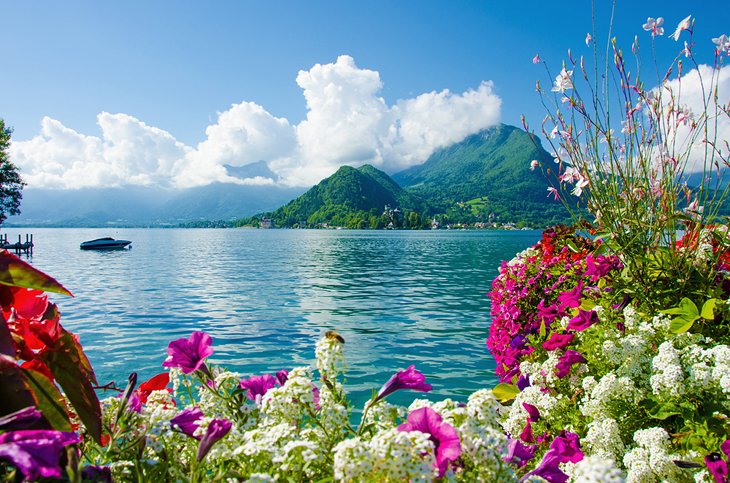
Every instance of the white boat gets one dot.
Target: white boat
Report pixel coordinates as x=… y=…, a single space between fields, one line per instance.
x=106 y=243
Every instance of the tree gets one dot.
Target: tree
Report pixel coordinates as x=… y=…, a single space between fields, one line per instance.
x=11 y=184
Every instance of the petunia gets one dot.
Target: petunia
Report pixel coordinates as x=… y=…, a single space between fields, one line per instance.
x=558 y=341
x=408 y=379
x=567 y=446
x=36 y=452
x=98 y=474
x=282 y=376
x=571 y=298
x=187 y=421
x=717 y=467
x=216 y=430
x=532 y=411
x=447 y=446
x=548 y=469
x=257 y=386
x=156 y=383
x=583 y=320
x=20 y=419
x=518 y=454
x=527 y=435
x=189 y=354
x=566 y=361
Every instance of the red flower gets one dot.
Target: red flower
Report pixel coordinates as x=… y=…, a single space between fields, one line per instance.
x=156 y=383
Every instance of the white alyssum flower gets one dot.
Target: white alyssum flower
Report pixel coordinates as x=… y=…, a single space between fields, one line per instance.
x=651 y=460
x=544 y=402
x=667 y=374
x=593 y=469
x=603 y=439
x=610 y=397
x=288 y=402
x=330 y=357
x=257 y=478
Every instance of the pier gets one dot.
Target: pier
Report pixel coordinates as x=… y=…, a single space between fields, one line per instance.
x=24 y=247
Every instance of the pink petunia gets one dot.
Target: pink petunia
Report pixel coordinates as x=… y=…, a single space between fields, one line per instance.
x=566 y=361
x=408 y=379
x=189 y=354
x=447 y=446
x=558 y=341
x=583 y=320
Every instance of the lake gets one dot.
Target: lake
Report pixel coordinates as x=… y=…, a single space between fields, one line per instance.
x=265 y=296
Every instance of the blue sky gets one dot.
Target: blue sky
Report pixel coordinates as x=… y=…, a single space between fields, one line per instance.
x=175 y=65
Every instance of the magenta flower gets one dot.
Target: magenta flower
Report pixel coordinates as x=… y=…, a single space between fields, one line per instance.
x=527 y=435
x=187 y=421
x=718 y=466
x=567 y=446
x=189 y=354
x=558 y=341
x=99 y=474
x=20 y=419
x=282 y=376
x=583 y=320
x=36 y=452
x=315 y=397
x=548 y=469
x=447 y=446
x=572 y=297
x=257 y=386
x=519 y=454
x=408 y=379
x=564 y=448
x=532 y=411
x=566 y=361
x=217 y=429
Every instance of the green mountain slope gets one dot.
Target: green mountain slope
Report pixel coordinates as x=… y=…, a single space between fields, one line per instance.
x=351 y=197
x=487 y=173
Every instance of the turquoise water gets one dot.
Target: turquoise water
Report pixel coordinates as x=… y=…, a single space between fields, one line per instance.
x=265 y=296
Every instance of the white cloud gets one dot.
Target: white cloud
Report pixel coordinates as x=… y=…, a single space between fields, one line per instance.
x=347 y=122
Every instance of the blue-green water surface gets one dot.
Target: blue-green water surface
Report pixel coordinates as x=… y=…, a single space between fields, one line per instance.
x=265 y=296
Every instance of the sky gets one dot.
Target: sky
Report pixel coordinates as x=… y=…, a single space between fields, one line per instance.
x=169 y=93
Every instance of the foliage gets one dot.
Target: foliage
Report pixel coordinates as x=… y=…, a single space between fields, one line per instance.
x=11 y=184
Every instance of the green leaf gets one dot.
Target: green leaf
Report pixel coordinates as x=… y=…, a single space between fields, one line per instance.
x=543 y=330
x=505 y=392
x=17 y=273
x=686 y=308
x=708 y=310
x=49 y=398
x=661 y=411
x=681 y=324
x=73 y=373
x=587 y=304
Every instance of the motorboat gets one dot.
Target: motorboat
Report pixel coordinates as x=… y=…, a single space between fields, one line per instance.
x=106 y=243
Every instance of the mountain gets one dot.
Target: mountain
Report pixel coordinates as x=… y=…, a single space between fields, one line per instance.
x=146 y=206
x=486 y=174
x=352 y=197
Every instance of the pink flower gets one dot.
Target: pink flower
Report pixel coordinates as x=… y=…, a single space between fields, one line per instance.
x=654 y=26
x=554 y=192
x=408 y=379
x=36 y=452
x=257 y=386
x=558 y=341
x=589 y=39
x=444 y=437
x=566 y=361
x=534 y=164
x=189 y=354
x=723 y=44
x=187 y=421
x=583 y=320
x=571 y=298
x=683 y=25
x=563 y=81
x=217 y=429
x=519 y=454
x=536 y=59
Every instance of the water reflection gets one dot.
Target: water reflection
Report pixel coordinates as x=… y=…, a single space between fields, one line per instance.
x=398 y=298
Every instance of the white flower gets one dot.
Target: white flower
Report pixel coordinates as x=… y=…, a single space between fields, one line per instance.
x=723 y=44
x=534 y=164
x=654 y=26
x=683 y=25
x=668 y=376
x=563 y=81
x=592 y=469
x=604 y=439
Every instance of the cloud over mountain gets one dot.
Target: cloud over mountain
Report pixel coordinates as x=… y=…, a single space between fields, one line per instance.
x=347 y=122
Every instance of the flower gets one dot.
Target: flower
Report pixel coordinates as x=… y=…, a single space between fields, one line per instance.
x=563 y=81
x=282 y=376
x=20 y=419
x=718 y=466
x=558 y=341
x=408 y=379
x=572 y=297
x=534 y=164
x=36 y=452
x=536 y=59
x=654 y=26
x=554 y=192
x=156 y=383
x=519 y=454
x=447 y=447
x=564 y=448
x=723 y=44
x=187 y=421
x=188 y=354
x=566 y=362
x=589 y=39
x=257 y=386
x=101 y=474
x=549 y=469
x=217 y=429
x=683 y=25
x=583 y=320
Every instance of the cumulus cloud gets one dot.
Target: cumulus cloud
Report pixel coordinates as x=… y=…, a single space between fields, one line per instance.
x=694 y=95
x=347 y=123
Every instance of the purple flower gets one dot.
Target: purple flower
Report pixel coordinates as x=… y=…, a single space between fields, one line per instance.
x=583 y=320
x=99 y=474
x=36 y=452
x=523 y=382
x=187 y=421
x=282 y=376
x=567 y=446
x=549 y=469
x=20 y=419
x=257 y=386
x=188 y=354
x=566 y=361
x=532 y=411
x=571 y=298
x=315 y=397
x=527 y=435
x=408 y=379
x=717 y=467
x=217 y=429
x=134 y=403
x=519 y=454
x=558 y=341
x=444 y=437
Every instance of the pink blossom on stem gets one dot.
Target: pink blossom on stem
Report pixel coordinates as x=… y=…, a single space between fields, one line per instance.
x=683 y=25
x=536 y=59
x=654 y=26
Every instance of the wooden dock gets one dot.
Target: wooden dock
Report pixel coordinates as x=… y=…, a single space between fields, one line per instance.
x=24 y=247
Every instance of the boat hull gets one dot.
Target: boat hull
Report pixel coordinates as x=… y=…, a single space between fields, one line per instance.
x=105 y=244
